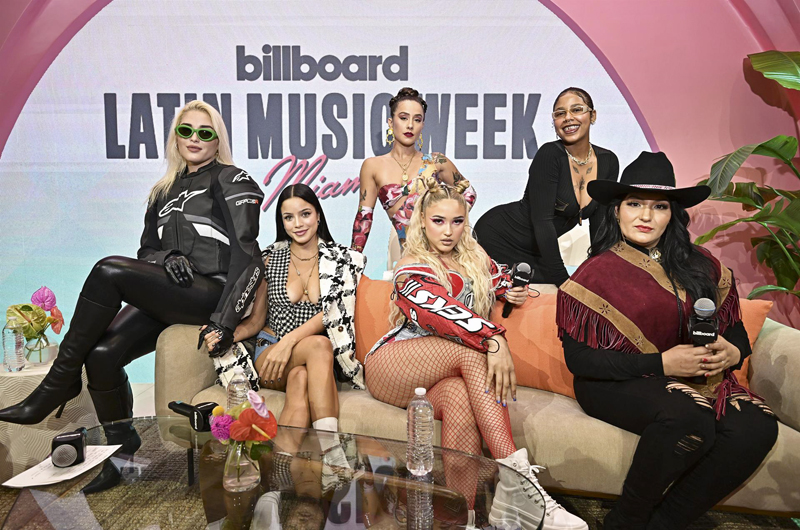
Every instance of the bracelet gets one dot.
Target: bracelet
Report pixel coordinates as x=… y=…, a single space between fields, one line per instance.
x=487 y=348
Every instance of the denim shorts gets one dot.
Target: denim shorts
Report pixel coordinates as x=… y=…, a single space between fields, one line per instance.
x=263 y=341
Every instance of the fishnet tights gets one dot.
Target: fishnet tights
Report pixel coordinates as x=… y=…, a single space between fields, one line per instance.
x=397 y=368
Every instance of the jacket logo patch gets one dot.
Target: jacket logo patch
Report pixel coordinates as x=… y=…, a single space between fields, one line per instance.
x=177 y=204
x=246 y=201
x=242 y=175
x=438 y=306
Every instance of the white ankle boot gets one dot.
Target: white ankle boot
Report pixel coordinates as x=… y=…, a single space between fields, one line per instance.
x=518 y=505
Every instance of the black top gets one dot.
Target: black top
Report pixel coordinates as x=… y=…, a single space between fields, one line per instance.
x=590 y=363
x=528 y=230
x=211 y=216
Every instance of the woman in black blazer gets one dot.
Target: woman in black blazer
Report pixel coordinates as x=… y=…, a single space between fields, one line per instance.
x=555 y=198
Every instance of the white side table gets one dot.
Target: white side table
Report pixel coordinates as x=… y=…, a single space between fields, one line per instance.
x=24 y=446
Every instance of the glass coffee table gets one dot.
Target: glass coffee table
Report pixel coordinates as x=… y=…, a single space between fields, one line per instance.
x=175 y=481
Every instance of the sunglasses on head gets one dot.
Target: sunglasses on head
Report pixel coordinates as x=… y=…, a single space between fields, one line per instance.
x=203 y=133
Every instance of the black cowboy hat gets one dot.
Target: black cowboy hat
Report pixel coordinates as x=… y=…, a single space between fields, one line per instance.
x=649 y=172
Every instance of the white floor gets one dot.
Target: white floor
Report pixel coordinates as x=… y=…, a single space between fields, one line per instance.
x=143 y=399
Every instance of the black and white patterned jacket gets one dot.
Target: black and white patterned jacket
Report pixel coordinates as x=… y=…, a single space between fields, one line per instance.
x=340 y=270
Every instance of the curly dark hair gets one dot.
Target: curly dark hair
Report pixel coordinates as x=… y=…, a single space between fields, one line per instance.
x=407 y=93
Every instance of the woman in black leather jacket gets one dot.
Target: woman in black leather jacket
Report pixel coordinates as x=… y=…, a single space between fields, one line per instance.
x=199 y=263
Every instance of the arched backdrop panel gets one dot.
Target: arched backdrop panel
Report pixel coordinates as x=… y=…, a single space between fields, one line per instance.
x=91 y=84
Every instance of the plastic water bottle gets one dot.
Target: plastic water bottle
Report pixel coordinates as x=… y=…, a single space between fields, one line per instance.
x=237 y=388
x=419 y=493
x=13 y=346
x=419 y=454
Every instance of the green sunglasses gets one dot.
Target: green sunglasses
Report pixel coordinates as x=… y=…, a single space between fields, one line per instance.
x=203 y=133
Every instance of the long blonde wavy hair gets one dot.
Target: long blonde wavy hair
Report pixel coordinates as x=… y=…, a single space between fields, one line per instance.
x=471 y=258
x=175 y=162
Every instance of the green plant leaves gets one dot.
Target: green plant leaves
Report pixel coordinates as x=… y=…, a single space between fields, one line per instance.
x=782 y=147
x=783 y=67
x=758 y=291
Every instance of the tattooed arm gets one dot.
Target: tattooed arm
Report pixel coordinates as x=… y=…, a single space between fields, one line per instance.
x=368 y=194
x=447 y=172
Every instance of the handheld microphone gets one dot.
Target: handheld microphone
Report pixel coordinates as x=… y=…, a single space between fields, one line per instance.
x=520 y=275
x=69 y=449
x=703 y=328
x=199 y=415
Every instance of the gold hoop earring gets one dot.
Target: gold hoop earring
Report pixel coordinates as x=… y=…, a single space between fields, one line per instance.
x=419 y=143
x=390 y=136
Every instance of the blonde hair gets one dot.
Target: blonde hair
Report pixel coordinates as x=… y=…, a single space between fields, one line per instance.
x=175 y=162
x=471 y=258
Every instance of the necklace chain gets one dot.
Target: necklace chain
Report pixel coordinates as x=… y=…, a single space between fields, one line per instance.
x=579 y=162
x=303 y=259
x=310 y=272
x=405 y=168
x=315 y=257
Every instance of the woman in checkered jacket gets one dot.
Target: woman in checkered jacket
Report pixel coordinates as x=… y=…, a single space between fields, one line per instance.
x=304 y=313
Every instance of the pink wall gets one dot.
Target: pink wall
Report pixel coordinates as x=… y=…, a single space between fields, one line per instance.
x=681 y=63
x=684 y=63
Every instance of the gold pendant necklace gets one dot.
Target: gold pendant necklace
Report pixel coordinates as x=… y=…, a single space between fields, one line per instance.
x=310 y=272
x=405 y=168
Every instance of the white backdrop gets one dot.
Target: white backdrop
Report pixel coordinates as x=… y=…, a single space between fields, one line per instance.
x=88 y=145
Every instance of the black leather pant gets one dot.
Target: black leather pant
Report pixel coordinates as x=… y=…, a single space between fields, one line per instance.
x=682 y=444
x=153 y=304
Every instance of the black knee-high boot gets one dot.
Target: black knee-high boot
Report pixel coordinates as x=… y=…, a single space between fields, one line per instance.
x=63 y=381
x=111 y=406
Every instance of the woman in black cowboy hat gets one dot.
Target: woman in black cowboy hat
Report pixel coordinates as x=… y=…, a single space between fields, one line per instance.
x=623 y=318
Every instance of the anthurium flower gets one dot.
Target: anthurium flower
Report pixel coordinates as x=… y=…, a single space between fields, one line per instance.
x=44 y=298
x=257 y=403
x=251 y=426
x=56 y=319
x=33 y=319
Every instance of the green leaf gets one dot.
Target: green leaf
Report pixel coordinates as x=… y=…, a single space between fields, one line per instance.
x=745 y=193
x=705 y=238
x=776 y=258
x=758 y=291
x=259 y=449
x=783 y=67
x=722 y=171
x=791 y=195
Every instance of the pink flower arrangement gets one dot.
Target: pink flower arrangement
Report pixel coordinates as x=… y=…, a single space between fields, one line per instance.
x=221 y=427
x=249 y=422
x=35 y=321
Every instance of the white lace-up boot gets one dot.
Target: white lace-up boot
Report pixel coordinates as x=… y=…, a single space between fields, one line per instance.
x=517 y=505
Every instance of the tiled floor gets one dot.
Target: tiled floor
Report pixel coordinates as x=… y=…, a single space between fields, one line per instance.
x=143 y=399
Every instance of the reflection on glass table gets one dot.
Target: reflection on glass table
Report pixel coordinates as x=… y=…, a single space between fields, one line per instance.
x=309 y=479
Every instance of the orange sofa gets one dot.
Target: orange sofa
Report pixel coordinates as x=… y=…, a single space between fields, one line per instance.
x=582 y=454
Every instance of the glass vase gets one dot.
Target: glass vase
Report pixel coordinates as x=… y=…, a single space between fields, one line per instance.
x=40 y=350
x=241 y=472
